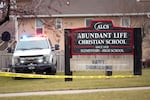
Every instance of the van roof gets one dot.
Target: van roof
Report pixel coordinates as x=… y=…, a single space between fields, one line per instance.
x=32 y=38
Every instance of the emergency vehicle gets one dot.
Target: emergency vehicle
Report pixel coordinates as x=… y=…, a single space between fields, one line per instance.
x=34 y=54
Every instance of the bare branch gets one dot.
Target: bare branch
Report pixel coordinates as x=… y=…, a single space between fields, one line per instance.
x=5 y=12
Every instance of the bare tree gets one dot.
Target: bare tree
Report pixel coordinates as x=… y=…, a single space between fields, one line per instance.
x=27 y=7
x=4 y=11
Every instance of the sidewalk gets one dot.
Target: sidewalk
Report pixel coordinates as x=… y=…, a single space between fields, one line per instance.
x=72 y=91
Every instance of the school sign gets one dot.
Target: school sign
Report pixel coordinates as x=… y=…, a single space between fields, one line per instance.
x=102 y=38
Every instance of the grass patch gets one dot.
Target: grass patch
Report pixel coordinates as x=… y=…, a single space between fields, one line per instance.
x=121 y=95
x=8 y=85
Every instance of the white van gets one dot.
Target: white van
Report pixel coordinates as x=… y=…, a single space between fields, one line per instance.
x=34 y=54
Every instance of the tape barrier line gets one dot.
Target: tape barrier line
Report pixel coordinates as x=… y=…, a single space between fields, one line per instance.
x=9 y=74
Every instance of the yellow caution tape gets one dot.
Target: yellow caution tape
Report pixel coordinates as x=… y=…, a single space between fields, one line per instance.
x=9 y=74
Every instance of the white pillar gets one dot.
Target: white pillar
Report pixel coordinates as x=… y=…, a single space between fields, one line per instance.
x=16 y=28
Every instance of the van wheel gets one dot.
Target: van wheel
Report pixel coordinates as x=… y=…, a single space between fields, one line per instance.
x=14 y=71
x=50 y=71
x=39 y=72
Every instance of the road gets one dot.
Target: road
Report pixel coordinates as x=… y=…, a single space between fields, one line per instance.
x=71 y=91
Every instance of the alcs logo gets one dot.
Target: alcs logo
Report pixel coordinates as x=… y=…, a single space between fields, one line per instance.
x=100 y=26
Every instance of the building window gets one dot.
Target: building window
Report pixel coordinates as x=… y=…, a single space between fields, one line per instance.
x=88 y=21
x=58 y=23
x=39 y=27
x=125 y=22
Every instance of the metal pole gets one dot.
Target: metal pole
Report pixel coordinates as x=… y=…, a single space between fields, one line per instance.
x=67 y=55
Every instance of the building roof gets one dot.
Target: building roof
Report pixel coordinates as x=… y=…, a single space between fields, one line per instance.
x=88 y=7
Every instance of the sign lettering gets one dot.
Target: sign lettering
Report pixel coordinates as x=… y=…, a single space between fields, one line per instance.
x=103 y=38
x=100 y=25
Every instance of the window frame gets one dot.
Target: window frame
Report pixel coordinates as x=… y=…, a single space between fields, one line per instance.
x=39 y=27
x=58 y=24
x=124 y=21
x=85 y=22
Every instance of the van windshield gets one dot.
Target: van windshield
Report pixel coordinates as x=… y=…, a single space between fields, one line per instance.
x=32 y=44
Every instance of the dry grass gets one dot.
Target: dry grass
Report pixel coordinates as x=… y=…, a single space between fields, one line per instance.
x=8 y=85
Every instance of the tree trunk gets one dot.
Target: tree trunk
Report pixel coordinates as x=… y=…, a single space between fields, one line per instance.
x=6 y=12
